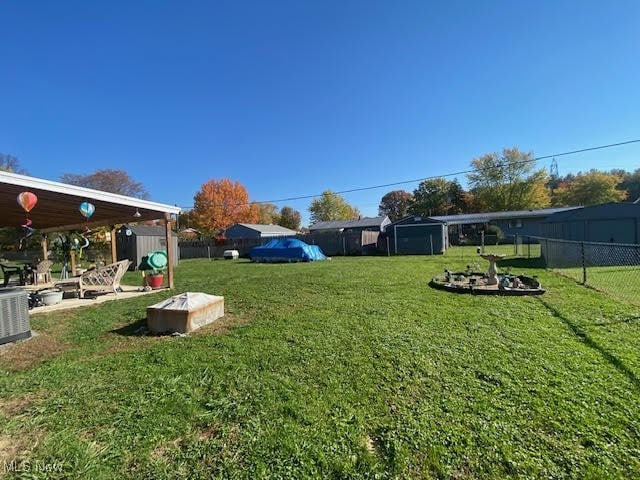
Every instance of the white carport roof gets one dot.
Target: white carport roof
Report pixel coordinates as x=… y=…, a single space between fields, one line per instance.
x=58 y=205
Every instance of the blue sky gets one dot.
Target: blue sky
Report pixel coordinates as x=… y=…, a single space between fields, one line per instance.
x=295 y=97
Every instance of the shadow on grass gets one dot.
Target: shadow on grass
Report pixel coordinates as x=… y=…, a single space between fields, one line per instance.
x=520 y=262
x=292 y=261
x=132 y=329
x=591 y=343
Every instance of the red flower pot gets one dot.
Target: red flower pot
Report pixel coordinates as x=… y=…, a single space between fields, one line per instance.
x=155 y=281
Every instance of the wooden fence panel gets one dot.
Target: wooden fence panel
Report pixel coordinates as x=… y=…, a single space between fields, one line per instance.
x=331 y=243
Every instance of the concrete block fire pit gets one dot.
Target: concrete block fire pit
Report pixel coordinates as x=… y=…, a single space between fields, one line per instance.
x=184 y=313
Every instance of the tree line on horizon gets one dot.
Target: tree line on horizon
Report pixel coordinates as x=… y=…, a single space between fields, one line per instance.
x=507 y=181
x=500 y=181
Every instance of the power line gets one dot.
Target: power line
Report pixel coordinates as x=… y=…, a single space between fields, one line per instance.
x=432 y=177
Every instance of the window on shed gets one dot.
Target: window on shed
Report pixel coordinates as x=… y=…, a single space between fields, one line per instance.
x=517 y=223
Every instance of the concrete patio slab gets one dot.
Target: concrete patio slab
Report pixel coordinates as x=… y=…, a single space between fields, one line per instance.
x=69 y=303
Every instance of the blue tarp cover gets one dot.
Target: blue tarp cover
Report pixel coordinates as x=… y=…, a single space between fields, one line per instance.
x=286 y=250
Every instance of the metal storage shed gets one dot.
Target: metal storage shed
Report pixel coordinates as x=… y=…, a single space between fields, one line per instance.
x=135 y=241
x=417 y=236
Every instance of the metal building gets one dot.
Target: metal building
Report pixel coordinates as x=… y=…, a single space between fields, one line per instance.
x=516 y=222
x=368 y=224
x=417 y=236
x=608 y=222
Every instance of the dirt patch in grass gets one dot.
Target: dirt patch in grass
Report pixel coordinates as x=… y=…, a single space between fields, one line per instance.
x=29 y=353
x=464 y=471
x=17 y=448
x=223 y=325
x=48 y=331
x=165 y=450
x=369 y=444
x=208 y=433
x=9 y=449
x=11 y=407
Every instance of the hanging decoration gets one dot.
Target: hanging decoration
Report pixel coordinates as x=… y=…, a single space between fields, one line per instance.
x=27 y=200
x=28 y=231
x=80 y=246
x=86 y=209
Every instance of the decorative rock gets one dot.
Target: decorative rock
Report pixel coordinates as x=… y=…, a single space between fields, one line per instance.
x=184 y=313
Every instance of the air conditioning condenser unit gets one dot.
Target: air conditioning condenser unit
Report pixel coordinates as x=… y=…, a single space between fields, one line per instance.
x=14 y=315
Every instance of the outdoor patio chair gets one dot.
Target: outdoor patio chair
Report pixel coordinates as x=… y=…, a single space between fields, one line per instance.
x=9 y=270
x=104 y=279
x=41 y=273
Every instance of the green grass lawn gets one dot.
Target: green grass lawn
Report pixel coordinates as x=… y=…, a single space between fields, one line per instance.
x=349 y=368
x=622 y=282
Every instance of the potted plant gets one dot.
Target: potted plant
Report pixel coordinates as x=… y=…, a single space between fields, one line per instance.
x=155 y=279
x=156 y=263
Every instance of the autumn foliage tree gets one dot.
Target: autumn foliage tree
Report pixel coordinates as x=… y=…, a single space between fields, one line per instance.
x=591 y=188
x=631 y=184
x=438 y=196
x=222 y=203
x=289 y=218
x=395 y=204
x=508 y=181
x=267 y=214
x=331 y=206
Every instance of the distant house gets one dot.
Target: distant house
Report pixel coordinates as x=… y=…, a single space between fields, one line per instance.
x=415 y=235
x=516 y=222
x=608 y=222
x=250 y=230
x=189 y=234
x=369 y=224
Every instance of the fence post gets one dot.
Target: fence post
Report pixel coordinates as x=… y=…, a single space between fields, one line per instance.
x=584 y=265
x=395 y=239
x=388 y=251
x=209 y=252
x=482 y=241
x=528 y=247
x=515 y=246
x=431 y=243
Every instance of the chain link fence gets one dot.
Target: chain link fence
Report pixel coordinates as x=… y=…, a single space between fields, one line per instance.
x=613 y=268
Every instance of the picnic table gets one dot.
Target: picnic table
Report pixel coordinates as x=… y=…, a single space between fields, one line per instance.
x=23 y=270
x=27 y=271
